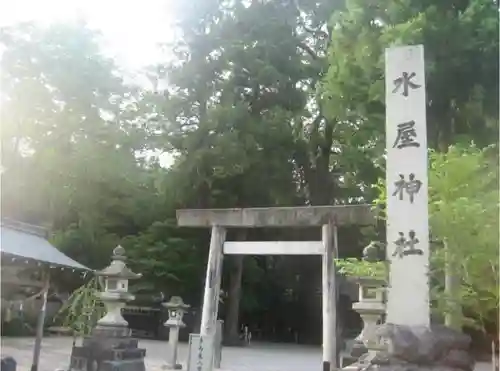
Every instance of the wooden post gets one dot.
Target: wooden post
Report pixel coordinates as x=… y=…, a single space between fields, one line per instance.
x=329 y=302
x=40 y=325
x=335 y=294
x=212 y=282
x=451 y=288
x=234 y=294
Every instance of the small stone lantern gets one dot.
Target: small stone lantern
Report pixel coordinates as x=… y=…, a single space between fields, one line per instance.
x=116 y=295
x=176 y=309
x=370 y=307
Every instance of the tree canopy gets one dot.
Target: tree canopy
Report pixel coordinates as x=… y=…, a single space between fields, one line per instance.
x=264 y=104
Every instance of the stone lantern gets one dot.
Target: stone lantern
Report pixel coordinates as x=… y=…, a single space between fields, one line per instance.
x=116 y=295
x=176 y=309
x=370 y=307
x=110 y=347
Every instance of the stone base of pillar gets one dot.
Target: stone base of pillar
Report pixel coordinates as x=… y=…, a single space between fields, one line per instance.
x=354 y=352
x=172 y=367
x=406 y=348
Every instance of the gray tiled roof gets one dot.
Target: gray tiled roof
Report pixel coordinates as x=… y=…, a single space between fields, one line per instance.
x=30 y=244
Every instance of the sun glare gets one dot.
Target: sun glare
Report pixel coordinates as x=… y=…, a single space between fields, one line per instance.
x=131 y=30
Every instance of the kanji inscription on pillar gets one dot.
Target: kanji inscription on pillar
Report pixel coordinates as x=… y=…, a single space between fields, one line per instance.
x=406 y=135
x=406 y=181
x=409 y=187
x=406 y=246
x=404 y=83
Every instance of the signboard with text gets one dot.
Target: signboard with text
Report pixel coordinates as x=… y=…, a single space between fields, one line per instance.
x=200 y=353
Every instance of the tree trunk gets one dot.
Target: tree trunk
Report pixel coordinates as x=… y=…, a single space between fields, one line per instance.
x=231 y=324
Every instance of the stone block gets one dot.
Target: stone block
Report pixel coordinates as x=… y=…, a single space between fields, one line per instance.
x=111 y=332
x=401 y=342
x=458 y=358
x=111 y=342
x=422 y=345
x=358 y=349
x=129 y=365
x=419 y=348
x=447 y=338
x=99 y=353
x=8 y=364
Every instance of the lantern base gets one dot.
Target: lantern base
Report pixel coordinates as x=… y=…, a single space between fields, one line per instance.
x=415 y=348
x=172 y=367
x=108 y=349
x=111 y=331
x=353 y=353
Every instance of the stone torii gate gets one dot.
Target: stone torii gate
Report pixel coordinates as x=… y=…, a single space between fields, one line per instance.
x=327 y=217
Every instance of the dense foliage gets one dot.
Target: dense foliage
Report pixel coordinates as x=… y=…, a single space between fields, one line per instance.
x=464 y=227
x=266 y=103
x=464 y=215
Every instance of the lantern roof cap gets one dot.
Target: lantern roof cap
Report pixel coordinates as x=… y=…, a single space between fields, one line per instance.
x=176 y=302
x=118 y=268
x=368 y=281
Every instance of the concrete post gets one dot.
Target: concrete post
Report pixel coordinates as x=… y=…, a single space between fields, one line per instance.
x=329 y=302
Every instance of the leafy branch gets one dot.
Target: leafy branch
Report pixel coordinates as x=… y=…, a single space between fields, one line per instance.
x=83 y=309
x=359 y=268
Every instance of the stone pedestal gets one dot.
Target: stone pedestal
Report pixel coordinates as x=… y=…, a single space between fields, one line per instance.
x=108 y=350
x=437 y=348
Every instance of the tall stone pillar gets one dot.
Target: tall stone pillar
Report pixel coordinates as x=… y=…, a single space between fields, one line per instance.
x=411 y=341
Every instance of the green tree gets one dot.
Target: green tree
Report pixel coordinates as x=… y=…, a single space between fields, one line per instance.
x=73 y=152
x=68 y=143
x=227 y=114
x=460 y=39
x=463 y=208
x=464 y=216
x=265 y=104
x=170 y=260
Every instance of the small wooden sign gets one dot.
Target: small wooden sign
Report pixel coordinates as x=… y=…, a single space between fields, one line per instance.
x=200 y=353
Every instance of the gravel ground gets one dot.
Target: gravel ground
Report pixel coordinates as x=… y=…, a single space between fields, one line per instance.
x=257 y=357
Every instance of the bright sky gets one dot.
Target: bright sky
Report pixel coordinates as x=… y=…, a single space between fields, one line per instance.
x=131 y=29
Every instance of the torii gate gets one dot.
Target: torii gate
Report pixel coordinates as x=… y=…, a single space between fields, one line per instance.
x=328 y=217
